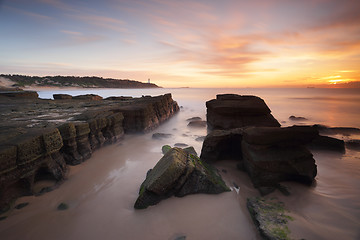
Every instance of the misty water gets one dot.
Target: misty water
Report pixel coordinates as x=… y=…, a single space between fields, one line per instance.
x=101 y=191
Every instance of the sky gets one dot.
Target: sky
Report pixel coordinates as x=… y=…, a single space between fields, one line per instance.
x=204 y=43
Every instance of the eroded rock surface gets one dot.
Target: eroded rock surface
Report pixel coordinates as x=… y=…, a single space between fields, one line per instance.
x=38 y=137
x=178 y=173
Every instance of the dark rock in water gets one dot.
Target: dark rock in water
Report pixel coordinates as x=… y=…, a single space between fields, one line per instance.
x=181 y=145
x=21 y=205
x=88 y=97
x=45 y=190
x=194 y=119
x=353 y=144
x=270 y=218
x=346 y=131
x=200 y=139
x=165 y=149
x=180 y=238
x=293 y=118
x=161 y=135
x=328 y=143
x=229 y=111
x=272 y=155
x=222 y=144
x=121 y=98
x=197 y=123
x=62 y=207
x=62 y=96
x=3 y=218
x=178 y=173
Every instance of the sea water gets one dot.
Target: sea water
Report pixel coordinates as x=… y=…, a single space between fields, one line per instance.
x=101 y=191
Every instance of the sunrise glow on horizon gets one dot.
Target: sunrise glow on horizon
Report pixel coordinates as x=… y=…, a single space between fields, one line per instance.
x=205 y=43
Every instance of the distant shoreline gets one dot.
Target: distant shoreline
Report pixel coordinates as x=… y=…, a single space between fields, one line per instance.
x=67 y=82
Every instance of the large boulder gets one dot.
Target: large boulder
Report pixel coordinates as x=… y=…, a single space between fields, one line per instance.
x=272 y=155
x=229 y=111
x=62 y=97
x=178 y=173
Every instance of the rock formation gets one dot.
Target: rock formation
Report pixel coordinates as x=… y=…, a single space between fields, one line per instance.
x=197 y=123
x=147 y=113
x=39 y=137
x=27 y=158
x=269 y=217
x=19 y=94
x=268 y=154
x=229 y=111
x=272 y=155
x=222 y=144
x=328 y=143
x=178 y=173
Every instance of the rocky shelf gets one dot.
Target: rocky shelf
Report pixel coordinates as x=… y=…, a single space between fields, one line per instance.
x=40 y=137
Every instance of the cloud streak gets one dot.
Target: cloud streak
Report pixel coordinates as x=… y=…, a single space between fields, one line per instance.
x=27 y=13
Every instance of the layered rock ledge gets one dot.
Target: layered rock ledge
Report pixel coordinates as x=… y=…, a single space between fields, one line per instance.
x=39 y=137
x=230 y=111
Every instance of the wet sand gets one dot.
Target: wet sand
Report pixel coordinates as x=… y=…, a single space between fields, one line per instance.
x=101 y=193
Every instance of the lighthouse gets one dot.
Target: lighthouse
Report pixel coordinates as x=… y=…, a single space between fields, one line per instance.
x=149 y=80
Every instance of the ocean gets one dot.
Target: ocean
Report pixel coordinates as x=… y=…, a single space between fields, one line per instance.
x=101 y=191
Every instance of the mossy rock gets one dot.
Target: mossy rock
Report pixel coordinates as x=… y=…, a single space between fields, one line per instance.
x=191 y=150
x=165 y=149
x=178 y=173
x=270 y=218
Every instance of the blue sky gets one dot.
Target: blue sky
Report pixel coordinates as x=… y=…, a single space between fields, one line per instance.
x=184 y=43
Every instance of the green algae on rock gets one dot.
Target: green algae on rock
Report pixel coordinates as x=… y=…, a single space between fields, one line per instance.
x=178 y=173
x=270 y=218
x=165 y=149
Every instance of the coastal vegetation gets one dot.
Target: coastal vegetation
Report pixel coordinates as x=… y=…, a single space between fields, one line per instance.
x=74 y=81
